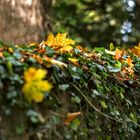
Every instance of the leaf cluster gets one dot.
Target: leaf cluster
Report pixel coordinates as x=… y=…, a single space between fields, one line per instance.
x=95 y=93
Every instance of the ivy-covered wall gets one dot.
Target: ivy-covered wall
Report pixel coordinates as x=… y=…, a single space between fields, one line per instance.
x=57 y=89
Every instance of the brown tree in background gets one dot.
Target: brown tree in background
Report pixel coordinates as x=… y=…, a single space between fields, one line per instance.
x=23 y=21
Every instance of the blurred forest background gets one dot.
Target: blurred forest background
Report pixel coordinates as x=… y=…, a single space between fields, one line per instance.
x=92 y=23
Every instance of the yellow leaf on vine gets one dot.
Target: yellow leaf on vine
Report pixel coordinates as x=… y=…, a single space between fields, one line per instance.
x=33 y=74
x=65 y=49
x=35 y=86
x=60 y=42
x=50 y=40
x=73 y=60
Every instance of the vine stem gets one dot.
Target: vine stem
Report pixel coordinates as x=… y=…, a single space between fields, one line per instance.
x=97 y=110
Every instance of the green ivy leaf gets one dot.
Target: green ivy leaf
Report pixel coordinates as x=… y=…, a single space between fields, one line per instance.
x=76 y=99
x=75 y=124
x=64 y=87
x=104 y=105
x=111 y=46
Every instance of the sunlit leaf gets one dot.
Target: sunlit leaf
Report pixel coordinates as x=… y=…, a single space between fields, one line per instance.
x=65 y=49
x=50 y=40
x=60 y=42
x=73 y=60
x=34 y=74
x=118 y=54
x=10 y=50
x=35 y=86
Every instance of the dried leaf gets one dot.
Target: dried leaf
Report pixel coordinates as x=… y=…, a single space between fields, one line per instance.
x=135 y=50
x=129 y=61
x=70 y=117
x=118 y=54
x=33 y=44
x=1 y=54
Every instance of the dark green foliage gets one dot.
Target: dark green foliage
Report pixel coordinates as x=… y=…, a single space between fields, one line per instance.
x=110 y=106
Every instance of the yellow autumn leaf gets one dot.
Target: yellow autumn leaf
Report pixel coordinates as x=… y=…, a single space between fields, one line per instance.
x=43 y=85
x=73 y=60
x=28 y=75
x=31 y=93
x=37 y=97
x=40 y=74
x=10 y=50
x=65 y=49
x=34 y=74
x=60 y=42
x=50 y=40
x=69 y=42
x=35 y=86
x=60 y=39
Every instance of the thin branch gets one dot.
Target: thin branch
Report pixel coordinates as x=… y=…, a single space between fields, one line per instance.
x=97 y=110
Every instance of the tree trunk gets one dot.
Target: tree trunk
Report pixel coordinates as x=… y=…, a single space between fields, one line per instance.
x=21 y=21
x=24 y=21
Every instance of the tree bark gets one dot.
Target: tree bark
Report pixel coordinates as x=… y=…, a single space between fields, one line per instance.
x=23 y=21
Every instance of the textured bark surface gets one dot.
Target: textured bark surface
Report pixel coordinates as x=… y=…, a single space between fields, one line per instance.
x=22 y=21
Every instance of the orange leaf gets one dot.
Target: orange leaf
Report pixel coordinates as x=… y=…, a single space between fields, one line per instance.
x=135 y=50
x=129 y=61
x=41 y=50
x=118 y=54
x=1 y=54
x=70 y=117
x=38 y=58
